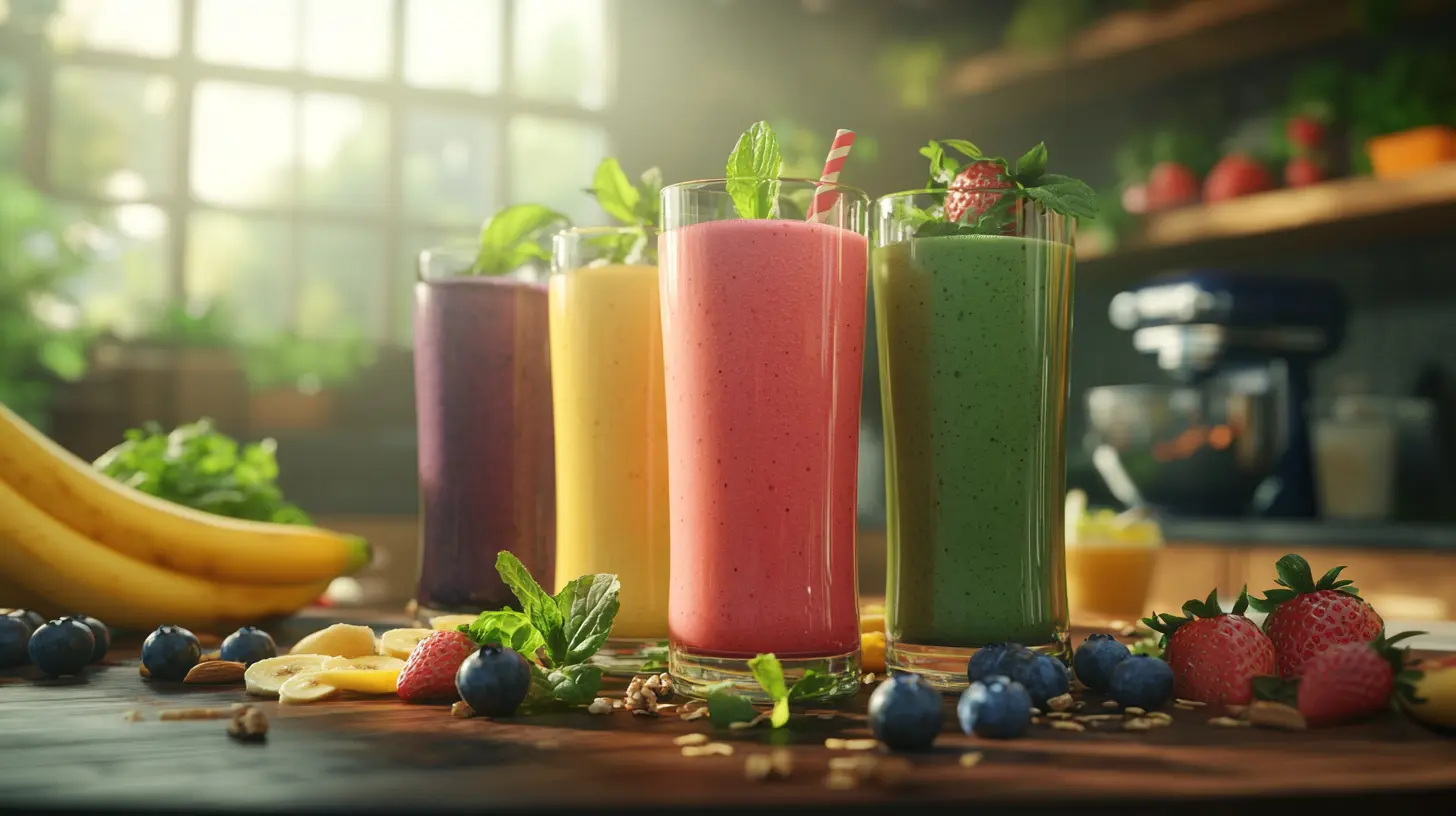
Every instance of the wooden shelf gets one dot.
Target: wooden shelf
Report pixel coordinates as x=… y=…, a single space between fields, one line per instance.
x=1135 y=50
x=1347 y=212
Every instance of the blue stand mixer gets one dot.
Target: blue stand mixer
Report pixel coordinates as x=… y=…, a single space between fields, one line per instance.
x=1230 y=436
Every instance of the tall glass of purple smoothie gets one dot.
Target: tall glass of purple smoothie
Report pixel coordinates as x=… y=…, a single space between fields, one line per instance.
x=483 y=399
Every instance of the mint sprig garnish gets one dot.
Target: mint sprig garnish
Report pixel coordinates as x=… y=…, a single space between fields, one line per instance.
x=753 y=172
x=1027 y=178
x=514 y=236
x=725 y=707
x=559 y=634
x=634 y=205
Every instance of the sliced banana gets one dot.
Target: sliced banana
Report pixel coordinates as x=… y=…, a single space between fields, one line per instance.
x=339 y=640
x=305 y=687
x=367 y=662
x=266 y=677
x=448 y=622
x=400 y=642
x=364 y=681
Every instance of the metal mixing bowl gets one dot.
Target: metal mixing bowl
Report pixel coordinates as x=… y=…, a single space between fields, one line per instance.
x=1190 y=451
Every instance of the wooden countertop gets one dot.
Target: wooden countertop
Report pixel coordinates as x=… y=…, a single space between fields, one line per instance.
x=67 y=746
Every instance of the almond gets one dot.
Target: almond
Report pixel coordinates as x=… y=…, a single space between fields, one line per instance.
x=216 y=672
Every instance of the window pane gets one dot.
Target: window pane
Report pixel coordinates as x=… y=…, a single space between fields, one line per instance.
x=243 y=265
x=12 y=114
x=345 y=155
x=560 y=51
x=147 y=27
x=552 y=162
x=449 y=166
x=242 y=144
x=343 y=287
x=257 y=33
x=453 y=44
x=126 y=281
x=113 y=133
x=347 y=38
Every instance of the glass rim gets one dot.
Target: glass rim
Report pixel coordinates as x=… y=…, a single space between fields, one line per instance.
x=601 y=230
x=940 y=191
x=831 y=185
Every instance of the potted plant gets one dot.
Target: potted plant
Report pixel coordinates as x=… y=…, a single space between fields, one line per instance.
x=293 y=379
x=1404 y=114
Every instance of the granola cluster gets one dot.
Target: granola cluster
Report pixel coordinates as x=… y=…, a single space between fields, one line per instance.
x=646 y=691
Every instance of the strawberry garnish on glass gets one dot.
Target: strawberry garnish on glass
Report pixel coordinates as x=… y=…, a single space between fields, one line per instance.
x=1306 y=617
x=1215 y=655
x=981 y=193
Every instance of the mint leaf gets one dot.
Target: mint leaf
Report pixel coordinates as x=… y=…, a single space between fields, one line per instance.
x=770 y=675
x=1031 y=166
x=1064 y=195
x=588 y=606
x=942 y=168
x=753 y=171
x=780 y=716
x=813 y=684
x=726 y=708
x=539 y=607
x=512 y=237
x=507 y=628
x=574 y=685
x=650 y=189
x=614 y=191
x=964 y=147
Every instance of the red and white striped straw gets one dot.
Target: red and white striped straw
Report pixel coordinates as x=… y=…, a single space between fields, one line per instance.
x=838 y=152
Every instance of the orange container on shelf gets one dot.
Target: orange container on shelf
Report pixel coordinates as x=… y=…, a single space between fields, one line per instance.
x=1411 y=151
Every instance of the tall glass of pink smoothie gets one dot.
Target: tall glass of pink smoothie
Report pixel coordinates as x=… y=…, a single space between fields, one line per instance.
x=763 y=345
x=483 y=399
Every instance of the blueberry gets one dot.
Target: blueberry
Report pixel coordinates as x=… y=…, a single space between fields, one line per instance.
x=63 y=646
x=493 y=681
x=905 y=713
x=248 y=645
x=14 y=642
x=170 y=652
x=1043 y=676
x=989 y=661
x=1096 y=658
x=34 y=620
x=1142 y=681
x=996 y=708
x=98 y=631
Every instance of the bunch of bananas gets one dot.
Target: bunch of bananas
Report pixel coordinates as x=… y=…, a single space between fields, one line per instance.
x=72 y=538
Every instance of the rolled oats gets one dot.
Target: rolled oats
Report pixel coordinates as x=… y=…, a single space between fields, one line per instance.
x=462 y=710
x=1068 y=725
x=1229 y=722
x=690 y=739
x=1268 y=714
x=1061 y=702
x=600 y=705
x=972 y=759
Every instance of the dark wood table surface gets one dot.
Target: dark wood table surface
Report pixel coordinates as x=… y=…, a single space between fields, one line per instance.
x=66 y=745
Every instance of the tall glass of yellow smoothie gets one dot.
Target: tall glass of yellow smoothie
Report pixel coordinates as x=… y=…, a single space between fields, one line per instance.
x=611 y=451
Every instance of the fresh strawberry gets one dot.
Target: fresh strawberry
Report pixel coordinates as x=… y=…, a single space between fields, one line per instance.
x=1171 y=184
x=1236 y=175
x=969 y=193
x=429 y=674
x=1305 y=132
x=1306 y=618
x=1354 y=680
x=1302 y=171
x=1215 y=656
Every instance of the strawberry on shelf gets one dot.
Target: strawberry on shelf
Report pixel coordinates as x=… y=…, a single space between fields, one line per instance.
x=1215 y=655
x=1306 y=617
x=1236 y=175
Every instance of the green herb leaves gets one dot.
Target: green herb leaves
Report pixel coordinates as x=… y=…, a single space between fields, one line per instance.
x=725 y=707
x=558 y=633
x=634 y=205
x=198 y=467
x=513 y=237
x=753 y=172
x=1027 y=179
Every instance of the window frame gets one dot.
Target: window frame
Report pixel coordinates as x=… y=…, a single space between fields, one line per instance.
x=40 y=63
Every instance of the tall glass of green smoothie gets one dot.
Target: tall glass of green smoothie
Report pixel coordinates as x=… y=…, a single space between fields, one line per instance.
x=972 y=283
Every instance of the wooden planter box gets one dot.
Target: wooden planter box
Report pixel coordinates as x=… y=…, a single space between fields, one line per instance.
x=1402 y=154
